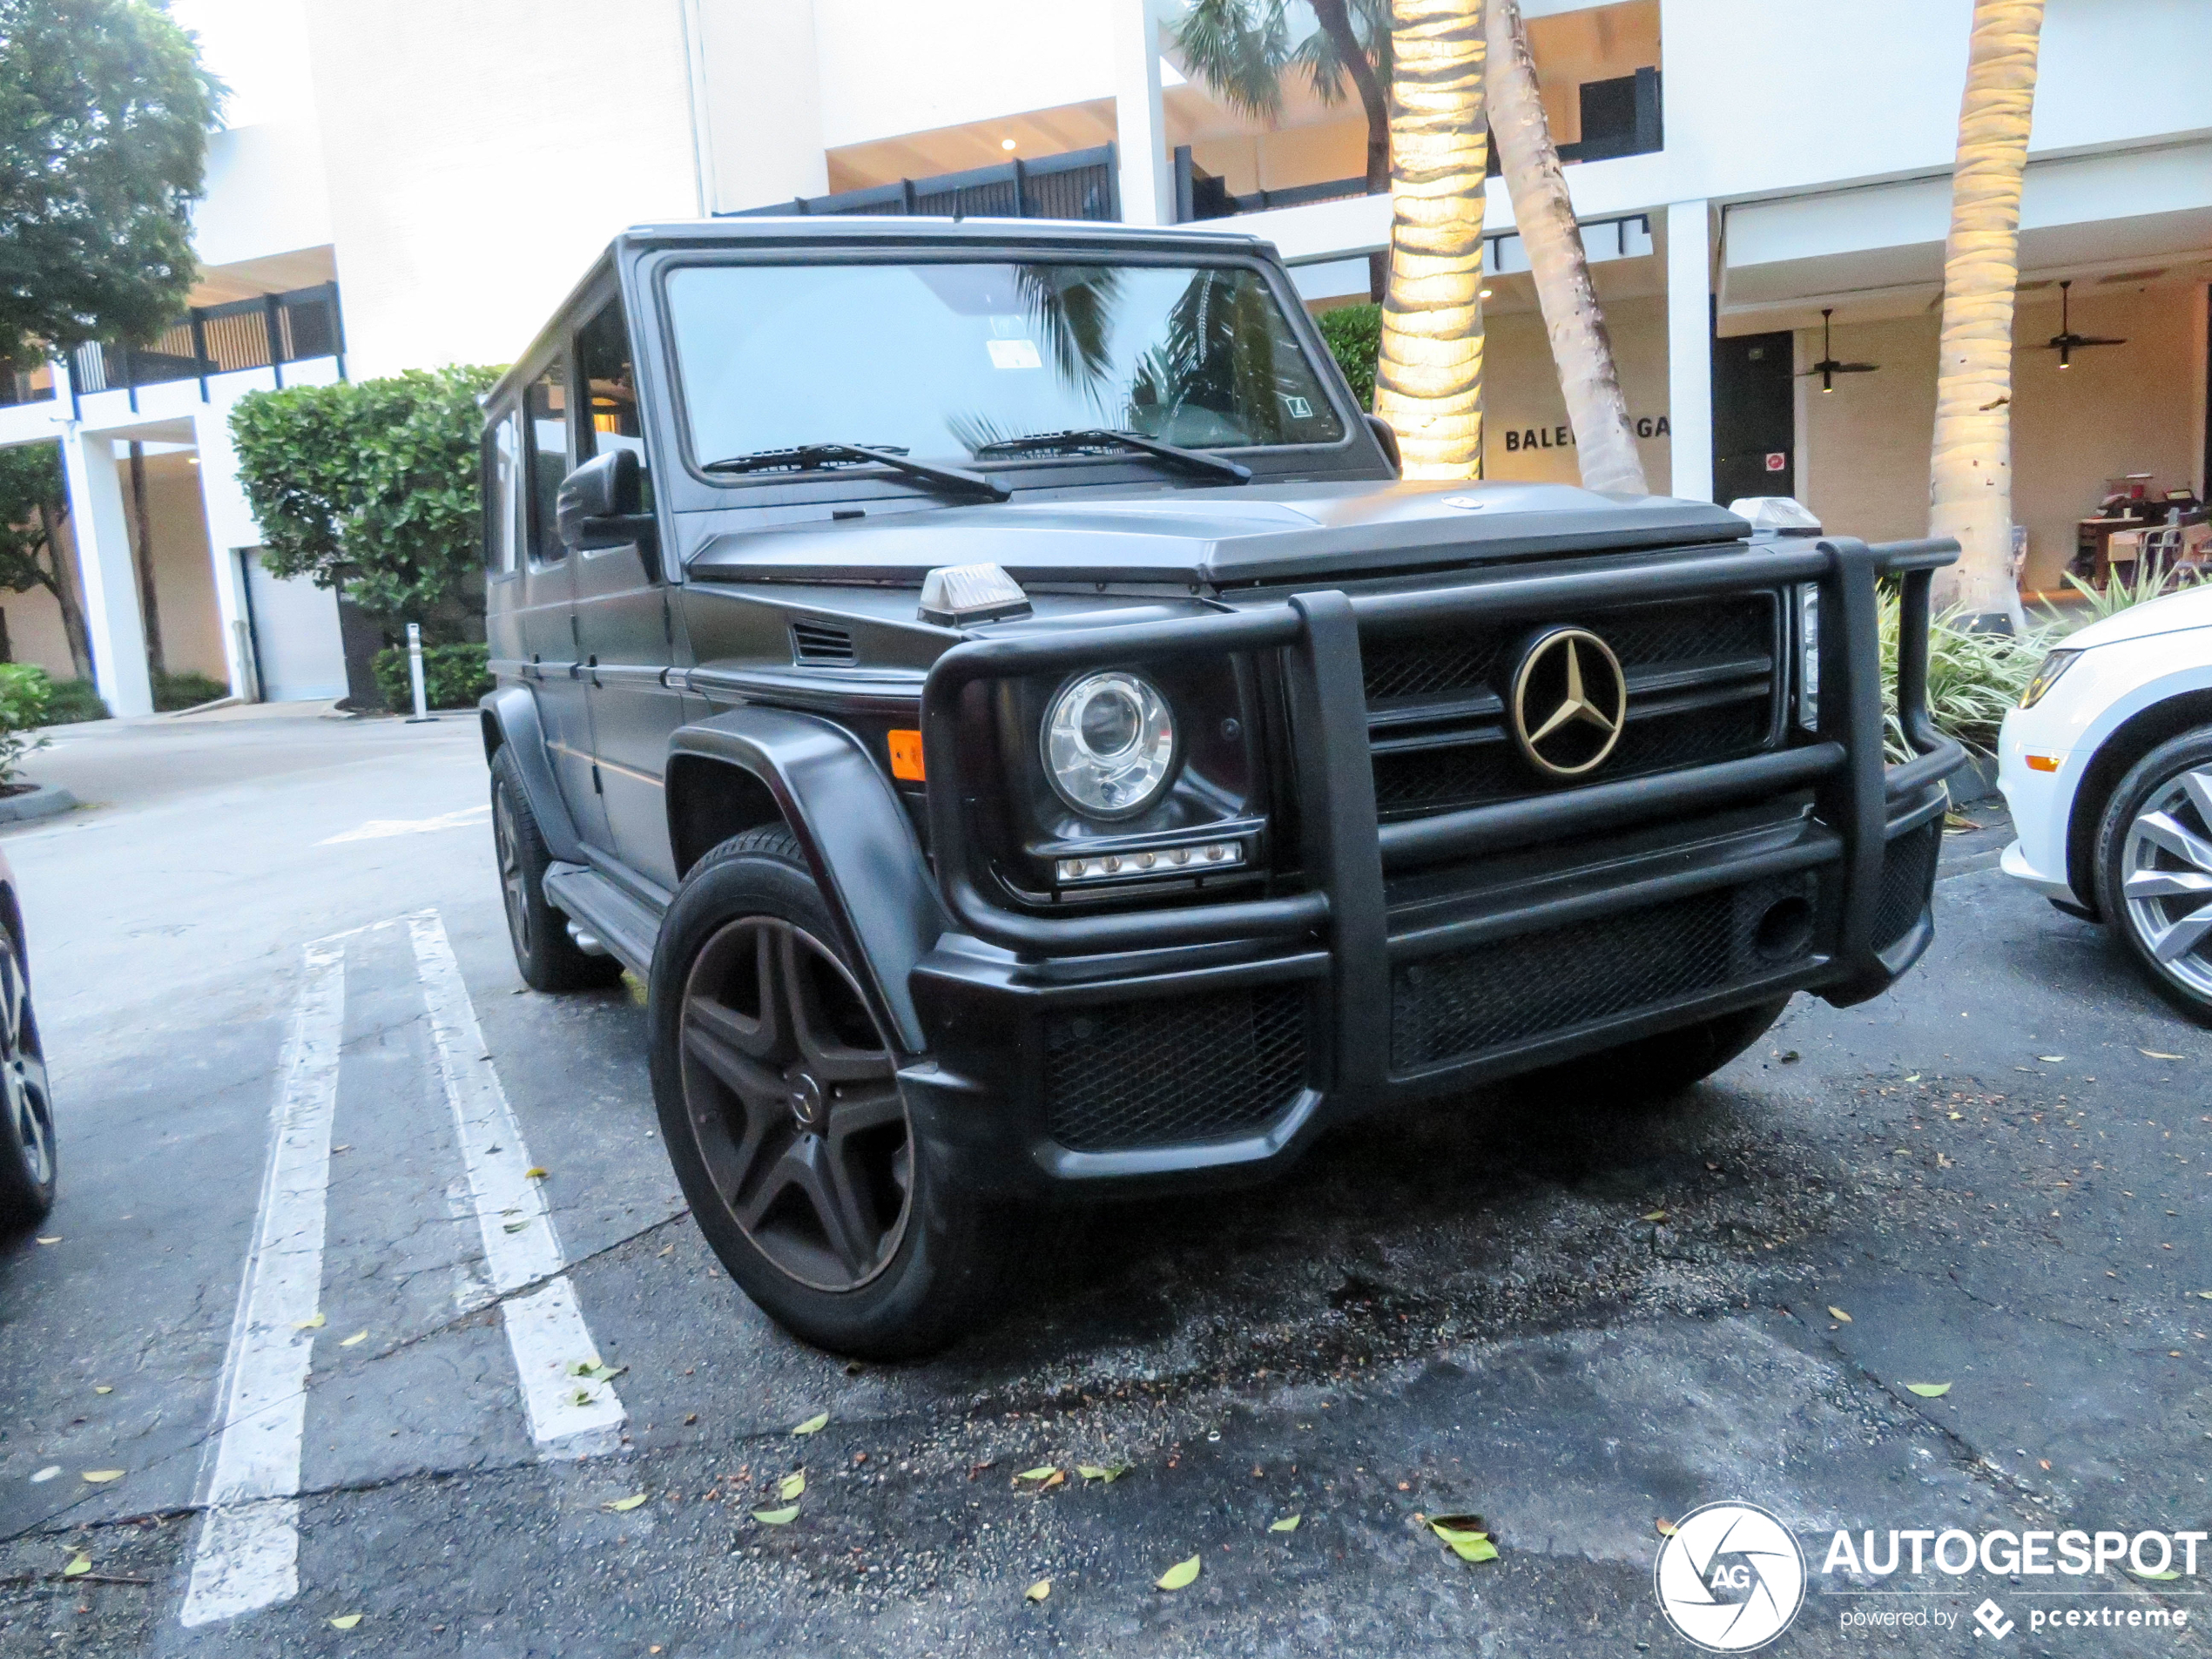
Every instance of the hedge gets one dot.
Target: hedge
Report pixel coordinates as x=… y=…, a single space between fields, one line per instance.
x=1354 y=337
x=454 y=676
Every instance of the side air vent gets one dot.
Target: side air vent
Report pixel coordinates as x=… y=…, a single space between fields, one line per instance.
x=821 y=642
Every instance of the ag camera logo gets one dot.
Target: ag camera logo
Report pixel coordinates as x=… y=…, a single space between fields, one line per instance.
x=1732 y=1578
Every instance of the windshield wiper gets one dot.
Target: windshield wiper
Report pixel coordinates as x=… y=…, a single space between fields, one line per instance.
x=1192 y=460
x=819 y=457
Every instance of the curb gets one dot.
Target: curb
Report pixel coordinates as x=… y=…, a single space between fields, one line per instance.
x=43 y=801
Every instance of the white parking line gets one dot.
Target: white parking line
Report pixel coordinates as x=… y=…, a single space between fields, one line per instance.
x=378 y=829
x=570 y=1416
x=248 y=1554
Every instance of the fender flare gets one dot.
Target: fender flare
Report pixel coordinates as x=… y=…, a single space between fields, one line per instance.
x=856 y=838
x=510 y=717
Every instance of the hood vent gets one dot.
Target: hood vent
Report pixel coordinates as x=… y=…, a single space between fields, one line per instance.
x=821 y=642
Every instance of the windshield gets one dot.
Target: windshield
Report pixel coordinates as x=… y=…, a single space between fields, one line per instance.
x=940 y=360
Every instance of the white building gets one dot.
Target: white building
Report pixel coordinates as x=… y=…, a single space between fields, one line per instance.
x=1740 y=167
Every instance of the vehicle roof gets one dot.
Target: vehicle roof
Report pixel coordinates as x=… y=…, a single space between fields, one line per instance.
x=877 y=230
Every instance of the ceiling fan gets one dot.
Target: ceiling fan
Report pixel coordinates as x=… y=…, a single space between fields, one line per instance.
x=2065 y=342
x=1828 y=367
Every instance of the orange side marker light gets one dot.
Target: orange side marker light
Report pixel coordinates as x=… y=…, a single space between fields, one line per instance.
x=906 y=756
x=2044 y=763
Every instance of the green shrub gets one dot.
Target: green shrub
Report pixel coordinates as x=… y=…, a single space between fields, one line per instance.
x=454 y=676
x=73 y=701
x=2145 y=583
x=1354 y=337
x=24 y=693
x=1973 y=678
x=185 y=691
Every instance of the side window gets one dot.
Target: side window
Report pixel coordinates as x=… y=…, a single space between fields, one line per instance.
x=609 y=381
x=502 y=493
x=546 y=412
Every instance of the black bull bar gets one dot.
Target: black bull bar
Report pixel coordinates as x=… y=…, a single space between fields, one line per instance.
x=1346 y=852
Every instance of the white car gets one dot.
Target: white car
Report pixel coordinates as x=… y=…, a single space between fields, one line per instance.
x=2107 y=766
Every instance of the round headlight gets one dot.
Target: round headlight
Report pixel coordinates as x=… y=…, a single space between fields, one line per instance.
x=1109 y=743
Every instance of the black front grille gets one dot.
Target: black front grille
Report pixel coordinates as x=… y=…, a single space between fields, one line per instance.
x=1165 y=1072
x=1446 y=1008
x=1908 y=866
x=1700 y=690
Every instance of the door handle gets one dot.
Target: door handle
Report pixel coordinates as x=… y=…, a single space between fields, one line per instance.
x=593 y=664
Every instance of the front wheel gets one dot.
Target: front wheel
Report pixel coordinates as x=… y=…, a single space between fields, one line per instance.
x=2155 y=867
x=1653 y=1067
x=27 y=1134
x=547 y=957
x=780 y=1105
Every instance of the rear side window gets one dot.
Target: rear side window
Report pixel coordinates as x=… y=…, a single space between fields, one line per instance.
x=545 y=415
x=503 y=494
x=608 y=377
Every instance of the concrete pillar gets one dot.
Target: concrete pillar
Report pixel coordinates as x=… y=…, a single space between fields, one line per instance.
x=230 y=527
x=1147 y=182
x=1690 y=348
x=105 y=570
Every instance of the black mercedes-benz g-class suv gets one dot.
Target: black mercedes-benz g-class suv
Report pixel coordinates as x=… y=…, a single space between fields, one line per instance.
x=990 y=681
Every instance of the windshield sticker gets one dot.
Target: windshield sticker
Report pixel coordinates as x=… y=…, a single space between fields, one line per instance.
x=1014 y=354
x=1299 y=408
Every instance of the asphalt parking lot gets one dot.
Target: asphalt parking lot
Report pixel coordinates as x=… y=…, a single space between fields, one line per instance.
x=1575 y=1320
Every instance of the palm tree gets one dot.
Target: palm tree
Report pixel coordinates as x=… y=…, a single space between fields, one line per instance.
x=1242 y=48
x=1605 y=445
x=1970 y=478
x=1429 y=377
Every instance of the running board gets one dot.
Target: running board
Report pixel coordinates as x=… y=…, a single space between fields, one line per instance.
x=626 y=928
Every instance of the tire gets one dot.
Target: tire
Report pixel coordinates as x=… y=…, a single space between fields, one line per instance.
x=547 y=957
x=27 y=1160
x=784 y=1121
x=1655 y=1067
x=2153 y=869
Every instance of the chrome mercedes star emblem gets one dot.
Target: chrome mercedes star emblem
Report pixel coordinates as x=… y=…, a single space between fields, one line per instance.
x=1570 y=700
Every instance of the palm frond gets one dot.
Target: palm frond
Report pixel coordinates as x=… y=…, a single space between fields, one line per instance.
x=1239 y=49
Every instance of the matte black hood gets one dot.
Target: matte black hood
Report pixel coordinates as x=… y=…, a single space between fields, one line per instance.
x=1222 y=538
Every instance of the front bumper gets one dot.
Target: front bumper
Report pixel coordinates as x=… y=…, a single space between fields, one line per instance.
x=1212 y=1041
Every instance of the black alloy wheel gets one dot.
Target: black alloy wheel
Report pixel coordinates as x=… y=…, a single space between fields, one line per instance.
x=792 y=1103
x=508 y=844
x=547 y=957
x=27 y=1157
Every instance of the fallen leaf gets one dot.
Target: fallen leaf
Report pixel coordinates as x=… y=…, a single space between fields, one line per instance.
x=536 y=1172
x=1928 y=1391
x=314 y=1322
x=1840 y=1317
x=2206 y=1295
x=345 y=1621
x=791 y=1486
x=78 y=1567
x=1107 y=1472
x=102 y=1388
x=595 y=1370
x=2050 y=1059
x=358 y=1336
x=1914 y=1078
x=623 y=1506
x=776 y=1517
x=1788 y=1059
x=1466 y=1536
x=1666 y=1528
x=2157 y=1577
x=2153 y=1053
x=581 y=1397
x=46 y=1473
x=1656 y=1215
x=813 y=1425
x=1039 y=1590
x=1179 y=1577
x=101 y=1477
x=49 y=1238
x=1288 y=1523
x=668 y=1250
x=516 y=1226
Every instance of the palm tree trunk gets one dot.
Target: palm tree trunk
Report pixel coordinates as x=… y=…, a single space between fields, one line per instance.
x=1605 y=444
x=1428 y=380
x=1336 y=22
x=59 y=577
x=1970 y=478
x=156 y=665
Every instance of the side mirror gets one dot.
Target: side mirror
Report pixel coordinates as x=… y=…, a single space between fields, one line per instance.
x=602 y=504
x=1386 y=436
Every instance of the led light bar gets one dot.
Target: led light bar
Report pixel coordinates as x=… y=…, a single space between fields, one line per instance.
x=1164 y=860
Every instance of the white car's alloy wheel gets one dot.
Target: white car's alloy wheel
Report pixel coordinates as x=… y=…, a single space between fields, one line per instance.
x=2166 y=878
